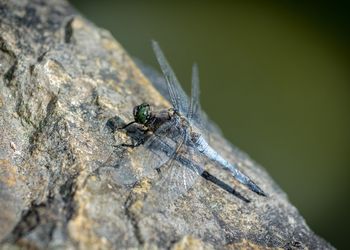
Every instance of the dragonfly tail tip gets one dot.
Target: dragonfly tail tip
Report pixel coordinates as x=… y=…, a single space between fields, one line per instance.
x=252 y=186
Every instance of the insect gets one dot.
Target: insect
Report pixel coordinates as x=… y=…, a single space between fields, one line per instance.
x=175 y=140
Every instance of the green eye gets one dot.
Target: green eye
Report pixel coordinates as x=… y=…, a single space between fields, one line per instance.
x=142 y=113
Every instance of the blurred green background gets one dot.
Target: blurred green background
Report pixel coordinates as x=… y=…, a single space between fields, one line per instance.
x=274 y=76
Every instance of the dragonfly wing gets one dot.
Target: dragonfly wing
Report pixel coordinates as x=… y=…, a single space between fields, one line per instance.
x=159 y=147
x=143 y=160
x=195 y=114
x=176 y=178
x=178 y=96
x=194 y=107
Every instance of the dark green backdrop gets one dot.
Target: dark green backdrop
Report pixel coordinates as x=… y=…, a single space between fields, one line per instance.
x=275 y=77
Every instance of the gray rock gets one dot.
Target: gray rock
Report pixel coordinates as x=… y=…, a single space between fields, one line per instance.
x=64 y=185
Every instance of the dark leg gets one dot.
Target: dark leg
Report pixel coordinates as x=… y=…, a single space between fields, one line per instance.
x=134 y=143
x=160 y=168
x=127 y=125
x=139 y=142
x=131 y=145
x=145 y=130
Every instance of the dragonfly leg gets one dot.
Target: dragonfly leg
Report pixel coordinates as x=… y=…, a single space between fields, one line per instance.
x=115 y=123
x=130 y=123
x=134 y=144
x=144 y=129
x=159 y=169
x=126 y=125
x=131 y=145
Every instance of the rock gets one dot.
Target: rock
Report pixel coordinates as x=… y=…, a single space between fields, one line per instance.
x=64 y=83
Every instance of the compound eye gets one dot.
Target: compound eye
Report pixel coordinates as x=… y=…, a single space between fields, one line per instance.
x=142 y=113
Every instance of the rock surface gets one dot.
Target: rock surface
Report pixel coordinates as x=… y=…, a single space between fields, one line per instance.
x=61 y=80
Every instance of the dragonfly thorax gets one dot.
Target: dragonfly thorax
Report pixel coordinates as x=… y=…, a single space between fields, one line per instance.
x=151 y=120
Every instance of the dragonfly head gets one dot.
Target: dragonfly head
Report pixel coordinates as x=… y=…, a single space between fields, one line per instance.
x=142 y=113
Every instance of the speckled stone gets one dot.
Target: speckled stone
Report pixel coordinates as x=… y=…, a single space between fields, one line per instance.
x=62 y=183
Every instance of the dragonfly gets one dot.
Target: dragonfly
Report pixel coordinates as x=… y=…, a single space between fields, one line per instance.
x=176 y=138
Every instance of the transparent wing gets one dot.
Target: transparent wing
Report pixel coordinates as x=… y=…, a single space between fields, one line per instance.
x=177 y=176
x=195 y=114
x=195 y=111
x=158 y=148
x=194 y=107
x=178 y=97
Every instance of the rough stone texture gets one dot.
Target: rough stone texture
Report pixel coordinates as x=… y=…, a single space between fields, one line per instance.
x=61 y=80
